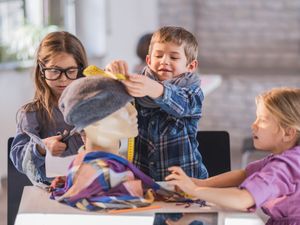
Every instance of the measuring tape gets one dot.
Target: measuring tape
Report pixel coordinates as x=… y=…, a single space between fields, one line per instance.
x=130 y=149
x=130 y=146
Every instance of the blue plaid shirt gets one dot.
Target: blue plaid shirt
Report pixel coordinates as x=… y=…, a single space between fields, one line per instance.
x=167 y=134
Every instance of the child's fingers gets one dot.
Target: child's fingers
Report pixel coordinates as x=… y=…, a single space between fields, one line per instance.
x=58 y=137
x=172 y=176
x=57 y=148
x=57 y=182
x=110 y=68
x=125 y=69
x=176 y=169
x=174 y=183
x=58 y=151
x=122 y=68
x=128 y=83
x=172 y=168
x=136 y=78
x=117 y=66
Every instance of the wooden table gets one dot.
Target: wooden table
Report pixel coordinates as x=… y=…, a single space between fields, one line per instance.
x=37 y=209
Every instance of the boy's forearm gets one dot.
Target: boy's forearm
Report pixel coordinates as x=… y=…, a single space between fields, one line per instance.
x=180 y=103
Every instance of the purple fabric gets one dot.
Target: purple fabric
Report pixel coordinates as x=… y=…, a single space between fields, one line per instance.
x=88 y=184
x=274 y=183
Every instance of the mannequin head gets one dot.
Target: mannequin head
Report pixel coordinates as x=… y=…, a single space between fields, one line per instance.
x=107 y=132
x=101 y=108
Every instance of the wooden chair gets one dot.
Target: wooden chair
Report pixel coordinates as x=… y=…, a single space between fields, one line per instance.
x=214 y=147
x=15 y=184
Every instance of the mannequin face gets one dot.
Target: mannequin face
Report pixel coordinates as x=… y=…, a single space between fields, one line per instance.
x=120 y=124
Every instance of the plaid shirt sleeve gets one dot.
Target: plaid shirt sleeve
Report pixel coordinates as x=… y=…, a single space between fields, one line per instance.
x=181 y=101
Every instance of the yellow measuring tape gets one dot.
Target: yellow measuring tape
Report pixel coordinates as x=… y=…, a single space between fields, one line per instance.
x=130 y=146
x=130 y=149
x=93 y=70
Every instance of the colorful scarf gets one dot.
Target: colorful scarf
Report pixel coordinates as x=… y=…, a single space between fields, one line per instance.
x=100 y=180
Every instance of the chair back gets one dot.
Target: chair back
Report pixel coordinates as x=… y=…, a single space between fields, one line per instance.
x=15 y=184
x=214 y=147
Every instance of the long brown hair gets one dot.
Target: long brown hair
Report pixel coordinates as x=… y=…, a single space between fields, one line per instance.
x=52 y=45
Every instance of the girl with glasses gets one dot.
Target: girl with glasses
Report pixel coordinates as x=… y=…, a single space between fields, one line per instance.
x=60 y=59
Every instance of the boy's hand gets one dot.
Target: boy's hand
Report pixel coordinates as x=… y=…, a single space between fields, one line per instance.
x=117 y=66
x=136 y=85
x=140 y=86
x=181 y=180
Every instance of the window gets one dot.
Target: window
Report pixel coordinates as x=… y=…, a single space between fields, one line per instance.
x=12 y=16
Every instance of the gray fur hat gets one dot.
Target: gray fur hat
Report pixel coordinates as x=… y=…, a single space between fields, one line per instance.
x=90 y=99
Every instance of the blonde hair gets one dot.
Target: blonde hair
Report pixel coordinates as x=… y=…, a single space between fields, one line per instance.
x=179 y=36
x=52 y=45
x=284 y=105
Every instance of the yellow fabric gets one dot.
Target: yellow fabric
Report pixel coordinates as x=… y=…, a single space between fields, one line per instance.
x=93 y=70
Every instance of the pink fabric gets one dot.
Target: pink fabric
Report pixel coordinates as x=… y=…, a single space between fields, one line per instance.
x=274 y=183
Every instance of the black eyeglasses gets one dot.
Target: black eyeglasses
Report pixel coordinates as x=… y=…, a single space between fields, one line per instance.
x=55 y=73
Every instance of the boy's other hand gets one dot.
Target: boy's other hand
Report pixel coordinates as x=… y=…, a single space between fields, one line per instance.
x=117 y=66
x=140 y=86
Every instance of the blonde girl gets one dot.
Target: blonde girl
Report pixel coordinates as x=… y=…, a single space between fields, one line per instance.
x=272 y=183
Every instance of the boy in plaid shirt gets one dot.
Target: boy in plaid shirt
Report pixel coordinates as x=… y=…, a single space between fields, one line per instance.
x=169 y=101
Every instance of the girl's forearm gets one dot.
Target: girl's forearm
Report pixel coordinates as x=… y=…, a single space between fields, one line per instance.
x=234 y=198
x=229 y=179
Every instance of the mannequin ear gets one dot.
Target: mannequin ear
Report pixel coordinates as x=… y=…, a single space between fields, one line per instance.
x=192 y=66
x=289 y=134
x=148 y=60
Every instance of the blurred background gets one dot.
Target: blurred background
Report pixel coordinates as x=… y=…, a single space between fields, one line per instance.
x=252 y=45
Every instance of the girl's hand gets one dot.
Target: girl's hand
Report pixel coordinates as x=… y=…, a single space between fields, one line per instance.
x=58 y=182
x=140 y=86
x=117 y=66
x=55 y=145
x=181 y=180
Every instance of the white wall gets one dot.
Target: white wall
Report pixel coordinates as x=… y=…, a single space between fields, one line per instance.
x=90 y=26
x=126 y=21
x=16 y=90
